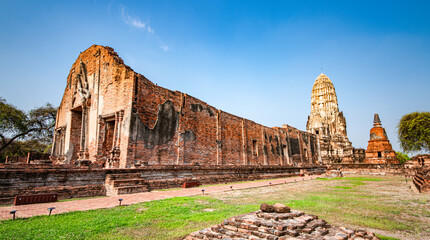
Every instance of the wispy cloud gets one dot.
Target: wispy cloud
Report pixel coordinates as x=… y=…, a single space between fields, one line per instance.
x=164 y=47
x=150 y=30
x=137 y=23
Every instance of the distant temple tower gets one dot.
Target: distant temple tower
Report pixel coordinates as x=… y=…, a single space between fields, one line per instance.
x=329 y=124
x=379 y=149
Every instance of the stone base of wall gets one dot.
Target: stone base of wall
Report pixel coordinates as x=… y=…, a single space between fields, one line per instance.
x=371 y=169
x=67 y=181
x=162 y=177
x=72 y=182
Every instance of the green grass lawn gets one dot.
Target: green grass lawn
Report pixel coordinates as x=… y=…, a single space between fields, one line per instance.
x=373 y=203
x=164 y=219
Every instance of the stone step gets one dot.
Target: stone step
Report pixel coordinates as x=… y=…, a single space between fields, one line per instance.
x=130 y=189
x=128 y=182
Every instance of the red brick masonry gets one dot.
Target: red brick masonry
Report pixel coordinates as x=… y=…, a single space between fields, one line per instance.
x=282 y=225
x=115 y=117
x=69 y=182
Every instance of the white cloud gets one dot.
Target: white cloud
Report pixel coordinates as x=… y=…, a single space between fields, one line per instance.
x=137 y=23
x=133 y=21
x=164 y=47
x=150 y=30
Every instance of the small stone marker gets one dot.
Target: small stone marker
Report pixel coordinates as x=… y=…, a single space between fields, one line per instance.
x=266 y=208
x=281 y=208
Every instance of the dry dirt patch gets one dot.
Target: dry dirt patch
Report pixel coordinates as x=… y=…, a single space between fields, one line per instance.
x=384 y=204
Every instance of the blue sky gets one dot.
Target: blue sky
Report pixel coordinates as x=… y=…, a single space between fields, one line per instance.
x=254 y=59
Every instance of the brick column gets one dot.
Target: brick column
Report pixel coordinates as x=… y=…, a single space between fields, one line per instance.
x=319 y=145
x=288 y=147
x=299 y=136
x=180 y=158
x=218 y=138
x=244 y=140
x=281 y=149
x=117 y=139
x=118 y=119
x=263 y=144
x=83 y=151
x=309 y=148
x=115 y=130
x=54 y=144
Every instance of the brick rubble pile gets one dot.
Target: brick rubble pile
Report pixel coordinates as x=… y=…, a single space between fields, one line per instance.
x=278 y=222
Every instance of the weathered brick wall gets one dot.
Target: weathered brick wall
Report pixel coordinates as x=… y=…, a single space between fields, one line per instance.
x=110 y=87
x=162 y=177
x=174 y=128
x=152 y=141
x=132 y=122
x=197 y=128
x=418 y=161
x=231 y=133
x=70 y=182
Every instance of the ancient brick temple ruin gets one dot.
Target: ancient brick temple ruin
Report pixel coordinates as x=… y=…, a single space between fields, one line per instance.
x=379 y=149
x=329 y=125
x=117 y=132
x=111 y=116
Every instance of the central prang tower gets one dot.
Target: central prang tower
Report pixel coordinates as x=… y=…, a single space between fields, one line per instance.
x=329 y=124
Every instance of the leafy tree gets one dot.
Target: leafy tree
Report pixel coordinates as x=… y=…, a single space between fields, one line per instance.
x=21 y=148
x=414 y=132
x=403 y=157
x=15 y=124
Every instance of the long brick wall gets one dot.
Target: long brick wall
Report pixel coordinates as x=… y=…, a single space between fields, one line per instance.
x=170 y=127
x=121 y=119
x=71 y=182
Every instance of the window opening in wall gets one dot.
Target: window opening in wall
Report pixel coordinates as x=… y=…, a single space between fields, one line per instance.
x=284 y=150
x=76 y=126
x=254 y=148
x=379 y=154
x=109 y=137
x=317 y=132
